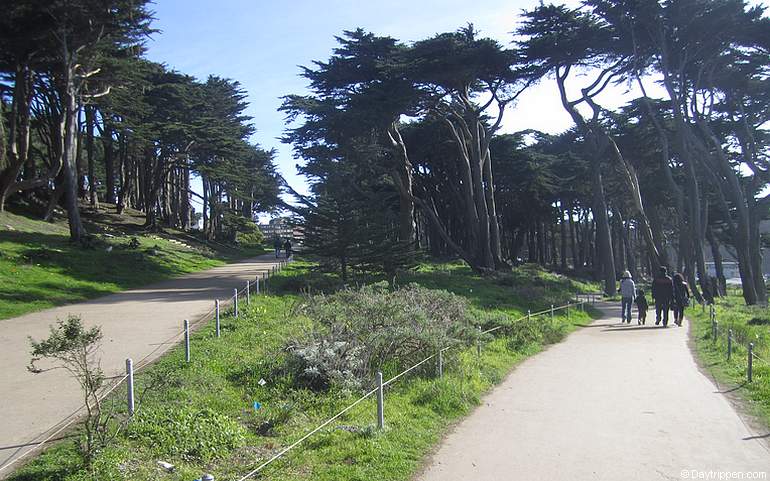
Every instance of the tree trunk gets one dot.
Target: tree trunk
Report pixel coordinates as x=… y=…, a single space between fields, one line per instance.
x=90 y=122
x=109 y=163
x=77 y=232
x=18 y=133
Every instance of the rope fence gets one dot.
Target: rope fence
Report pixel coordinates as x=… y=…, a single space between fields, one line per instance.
x=732 y=341
x=382 y=385
x=162 y=347
x=260 y=285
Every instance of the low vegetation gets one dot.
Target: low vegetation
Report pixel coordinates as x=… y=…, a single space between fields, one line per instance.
x=246 y=395
x=750 y=324
x=40 y=267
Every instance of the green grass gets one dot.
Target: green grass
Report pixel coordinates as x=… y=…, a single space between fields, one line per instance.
x=201 y=416
x=749 y=324
x=40 y=268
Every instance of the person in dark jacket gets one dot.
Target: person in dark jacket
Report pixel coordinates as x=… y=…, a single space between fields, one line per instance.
x=681 y=298
x=287 y=247
x=662 y=293
x=641 y=307
x=277 y=247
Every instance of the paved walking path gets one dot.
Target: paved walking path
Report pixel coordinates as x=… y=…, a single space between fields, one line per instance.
x=135 y=324
x=612 y=403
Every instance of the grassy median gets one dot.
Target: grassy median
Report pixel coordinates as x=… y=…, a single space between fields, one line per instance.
x=202 y=418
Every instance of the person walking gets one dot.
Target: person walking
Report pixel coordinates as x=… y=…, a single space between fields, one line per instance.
x=641 y=307
x=277 y=246
x=662 y=294
x=681 y=298
x=287 y=247
x=627 y=294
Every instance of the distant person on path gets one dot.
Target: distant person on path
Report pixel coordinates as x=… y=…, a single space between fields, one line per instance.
x=641 y=307
x=681 y=298
x=287 y=247
x=277 y=247
x=662 y=293
x=627 y=294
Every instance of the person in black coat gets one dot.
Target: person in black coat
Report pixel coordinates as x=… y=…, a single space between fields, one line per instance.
x=641 y=307
x=681 y=298
x=663 y=294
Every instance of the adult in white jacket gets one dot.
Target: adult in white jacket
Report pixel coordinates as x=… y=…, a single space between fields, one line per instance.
x=627 y=294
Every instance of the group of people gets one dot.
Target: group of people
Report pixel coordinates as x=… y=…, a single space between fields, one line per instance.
x=277 y=244
x=667 y=293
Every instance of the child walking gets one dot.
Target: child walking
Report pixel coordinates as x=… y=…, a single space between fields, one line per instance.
x=641 y=307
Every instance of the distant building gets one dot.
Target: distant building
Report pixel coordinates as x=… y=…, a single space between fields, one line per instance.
x=729 y=262
x=282 y=228
x=278 y=227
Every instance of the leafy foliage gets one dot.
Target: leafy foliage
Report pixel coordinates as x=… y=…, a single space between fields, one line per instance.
x=361 y=331
x=186 y=432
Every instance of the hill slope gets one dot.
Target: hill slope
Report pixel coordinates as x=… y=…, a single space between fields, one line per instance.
x=40 y=268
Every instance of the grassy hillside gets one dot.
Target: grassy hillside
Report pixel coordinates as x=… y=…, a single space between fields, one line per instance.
x=201 y=418
x=40 y=268
x=749 y=324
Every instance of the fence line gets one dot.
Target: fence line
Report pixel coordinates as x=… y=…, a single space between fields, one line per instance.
x=169 y=343
x=732 y=341
x=534 y=314
x=165 y=345
x=299 y=441
x=367 y=395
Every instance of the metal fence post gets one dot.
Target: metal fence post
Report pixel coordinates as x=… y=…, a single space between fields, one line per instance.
x=380 y=402
x=716 y=330
x=529 y=314
x=130 y=385
x=216 y=304
x=256 y=285
x=552 y=312
x=235 y=302
x=751 y=361
x=187 y=340
x=248 y=292
x=729 y=343
x=440 y=363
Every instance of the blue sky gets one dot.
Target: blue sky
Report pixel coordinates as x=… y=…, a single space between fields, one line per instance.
x=262 y=44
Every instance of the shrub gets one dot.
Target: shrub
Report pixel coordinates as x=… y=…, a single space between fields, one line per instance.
x=374 y=329
x=249 y=239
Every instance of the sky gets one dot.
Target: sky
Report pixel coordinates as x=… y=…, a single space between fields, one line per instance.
x=262 y=44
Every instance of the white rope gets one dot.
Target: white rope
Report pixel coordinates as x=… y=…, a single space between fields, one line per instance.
x=73 y=417
x=351 y=406
x=68 y=421
x=395 y=378
x=296 y=443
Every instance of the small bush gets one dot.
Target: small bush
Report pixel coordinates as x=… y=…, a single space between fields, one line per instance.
x=197 y=435
x=371 y=329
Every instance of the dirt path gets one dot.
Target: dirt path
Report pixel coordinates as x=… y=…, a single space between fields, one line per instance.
x=135 y=324
x=613 y=403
